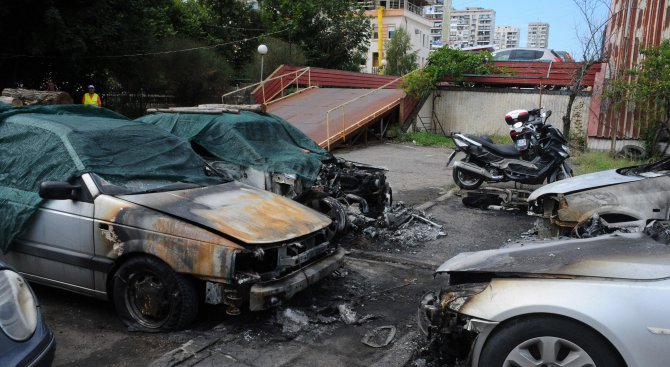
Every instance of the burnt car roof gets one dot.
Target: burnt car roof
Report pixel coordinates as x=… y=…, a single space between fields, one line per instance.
x=633 y=256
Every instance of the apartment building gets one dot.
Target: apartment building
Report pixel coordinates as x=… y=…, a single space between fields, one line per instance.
x=471 y=27
x=538 y=35
x=397 y=14
x=506 y=37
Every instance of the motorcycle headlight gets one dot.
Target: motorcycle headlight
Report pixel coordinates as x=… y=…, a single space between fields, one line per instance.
x=18 y=309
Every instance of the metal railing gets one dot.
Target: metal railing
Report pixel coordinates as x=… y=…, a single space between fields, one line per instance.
x=296 y=79
x=343 y=106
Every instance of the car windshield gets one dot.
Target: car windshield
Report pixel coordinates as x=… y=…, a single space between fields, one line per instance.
x=659 y=168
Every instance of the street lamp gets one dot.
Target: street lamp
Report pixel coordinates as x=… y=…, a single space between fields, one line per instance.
x=262 y=50
x=384 y=62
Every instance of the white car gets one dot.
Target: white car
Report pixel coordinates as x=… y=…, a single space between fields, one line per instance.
x=527 y=54
x=580 y=302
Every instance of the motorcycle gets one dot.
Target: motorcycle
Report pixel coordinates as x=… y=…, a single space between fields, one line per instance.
x=539 y=153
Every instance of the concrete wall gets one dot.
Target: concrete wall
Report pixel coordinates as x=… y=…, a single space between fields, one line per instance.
x=482 y=110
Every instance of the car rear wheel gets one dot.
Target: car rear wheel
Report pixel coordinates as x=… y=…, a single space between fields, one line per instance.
x=150 y=296
x=548 y=342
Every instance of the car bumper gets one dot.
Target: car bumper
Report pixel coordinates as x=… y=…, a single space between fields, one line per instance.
x=274 y=292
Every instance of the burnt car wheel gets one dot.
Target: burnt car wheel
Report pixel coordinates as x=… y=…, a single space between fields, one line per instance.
x=335 y=211
x=150 y=296
x=548 y=342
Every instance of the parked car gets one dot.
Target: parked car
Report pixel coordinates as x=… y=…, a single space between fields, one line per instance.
x=622 y=198
x=25 y=339
x=565 y=56
x=266 y=152
x=526 y=54
x=128 y=212
x=577 y=302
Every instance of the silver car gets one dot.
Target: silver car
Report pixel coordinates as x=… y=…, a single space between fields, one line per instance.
x=137 y=219
x=527 y=54
x=580 y=302
x=623 y=198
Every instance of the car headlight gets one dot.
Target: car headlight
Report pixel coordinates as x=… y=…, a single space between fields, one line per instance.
x=18 y=309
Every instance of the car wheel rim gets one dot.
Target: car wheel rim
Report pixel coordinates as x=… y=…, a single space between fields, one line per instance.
x=147 y=299
x=548 y=351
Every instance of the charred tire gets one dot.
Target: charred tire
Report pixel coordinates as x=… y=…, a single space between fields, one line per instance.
x=548 y=341
x=150 y=296
x=466 y=180
x=335 y=211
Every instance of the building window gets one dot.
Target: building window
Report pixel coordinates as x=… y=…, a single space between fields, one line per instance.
x=391 y=30
x=375 y=33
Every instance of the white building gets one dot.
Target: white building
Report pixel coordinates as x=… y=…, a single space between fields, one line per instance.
x=471 y=27
x=538 y=35
x=397 y=14
x=435 y=13
x=506 y=37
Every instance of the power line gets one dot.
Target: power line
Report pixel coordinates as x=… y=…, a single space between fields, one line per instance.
x=8 y=56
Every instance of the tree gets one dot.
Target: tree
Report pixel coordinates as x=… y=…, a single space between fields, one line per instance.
x=592 y=40
x=399 y=55
x=648 y=88
x=447 y=62
x=332 y=34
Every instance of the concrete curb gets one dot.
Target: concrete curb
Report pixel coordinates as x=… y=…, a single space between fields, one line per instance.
x=429 y=204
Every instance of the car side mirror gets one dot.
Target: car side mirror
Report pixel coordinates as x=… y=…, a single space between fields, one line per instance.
x=59 y=190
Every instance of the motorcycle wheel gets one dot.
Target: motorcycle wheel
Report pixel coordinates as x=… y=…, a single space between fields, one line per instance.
x=466 y=180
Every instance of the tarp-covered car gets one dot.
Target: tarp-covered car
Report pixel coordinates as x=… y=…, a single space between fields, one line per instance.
x=600 y=202
x=269 y=153
x=578 y=302
x=129 y=212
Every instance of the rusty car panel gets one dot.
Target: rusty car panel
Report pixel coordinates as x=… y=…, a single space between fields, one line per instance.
x=249 y=215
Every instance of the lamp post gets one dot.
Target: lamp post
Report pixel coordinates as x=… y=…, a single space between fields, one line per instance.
x=262 y=50
x=383 y=70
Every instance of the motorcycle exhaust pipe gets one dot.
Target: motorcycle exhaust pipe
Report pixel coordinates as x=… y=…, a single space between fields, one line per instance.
x=474 y=169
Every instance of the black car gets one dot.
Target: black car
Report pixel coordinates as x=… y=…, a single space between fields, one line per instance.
x=25 y=340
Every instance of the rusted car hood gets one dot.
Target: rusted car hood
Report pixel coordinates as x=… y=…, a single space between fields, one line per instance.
x=583 y=182
x=250 y=215
x=621 y=255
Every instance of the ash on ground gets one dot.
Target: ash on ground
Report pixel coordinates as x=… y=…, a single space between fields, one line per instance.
x=398 y=228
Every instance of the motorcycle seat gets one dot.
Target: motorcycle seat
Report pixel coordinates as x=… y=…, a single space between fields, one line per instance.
x=509 y=151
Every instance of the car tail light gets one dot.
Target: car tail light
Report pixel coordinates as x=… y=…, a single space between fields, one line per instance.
x=557 y=59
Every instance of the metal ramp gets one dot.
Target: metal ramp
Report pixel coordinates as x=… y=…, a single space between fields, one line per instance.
x=332 y=106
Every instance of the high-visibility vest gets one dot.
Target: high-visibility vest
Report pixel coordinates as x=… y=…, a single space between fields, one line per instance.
x=94 y=100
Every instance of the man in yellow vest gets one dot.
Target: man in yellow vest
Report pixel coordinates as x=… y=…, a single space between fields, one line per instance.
x=91 y=97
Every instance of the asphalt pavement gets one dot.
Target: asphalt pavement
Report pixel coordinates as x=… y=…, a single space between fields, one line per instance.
x=324 y=325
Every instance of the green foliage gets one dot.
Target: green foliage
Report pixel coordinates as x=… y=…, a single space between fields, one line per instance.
x=450 y=63
x=279 y=53
x=70 y=42
x=424 y=138
x=332 y=34
x=648 y=87
x=399 y=55
x=577 y=138
x=592 y=161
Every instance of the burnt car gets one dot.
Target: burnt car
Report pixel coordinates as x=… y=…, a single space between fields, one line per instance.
x=267 y=152
x=591 y=204
x=25 y=339
x=130 y=213
x=577 y=302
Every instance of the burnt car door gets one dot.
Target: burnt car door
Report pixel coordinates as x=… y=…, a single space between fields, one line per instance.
x=57 y=245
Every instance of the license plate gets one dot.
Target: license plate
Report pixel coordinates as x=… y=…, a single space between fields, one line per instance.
x=521 y=144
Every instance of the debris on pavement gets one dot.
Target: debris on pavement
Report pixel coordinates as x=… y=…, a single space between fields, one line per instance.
x=659 y=231
x=292 y=321
x=347 y=315
x=496 y=198
x=379 y=337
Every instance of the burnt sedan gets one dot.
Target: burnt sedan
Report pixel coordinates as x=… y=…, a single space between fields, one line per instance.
x=596 y=203
x=128 y=212
x=579 y=302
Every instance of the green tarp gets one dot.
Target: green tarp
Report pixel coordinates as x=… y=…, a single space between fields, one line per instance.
x=262 y=141
x=59 y=143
